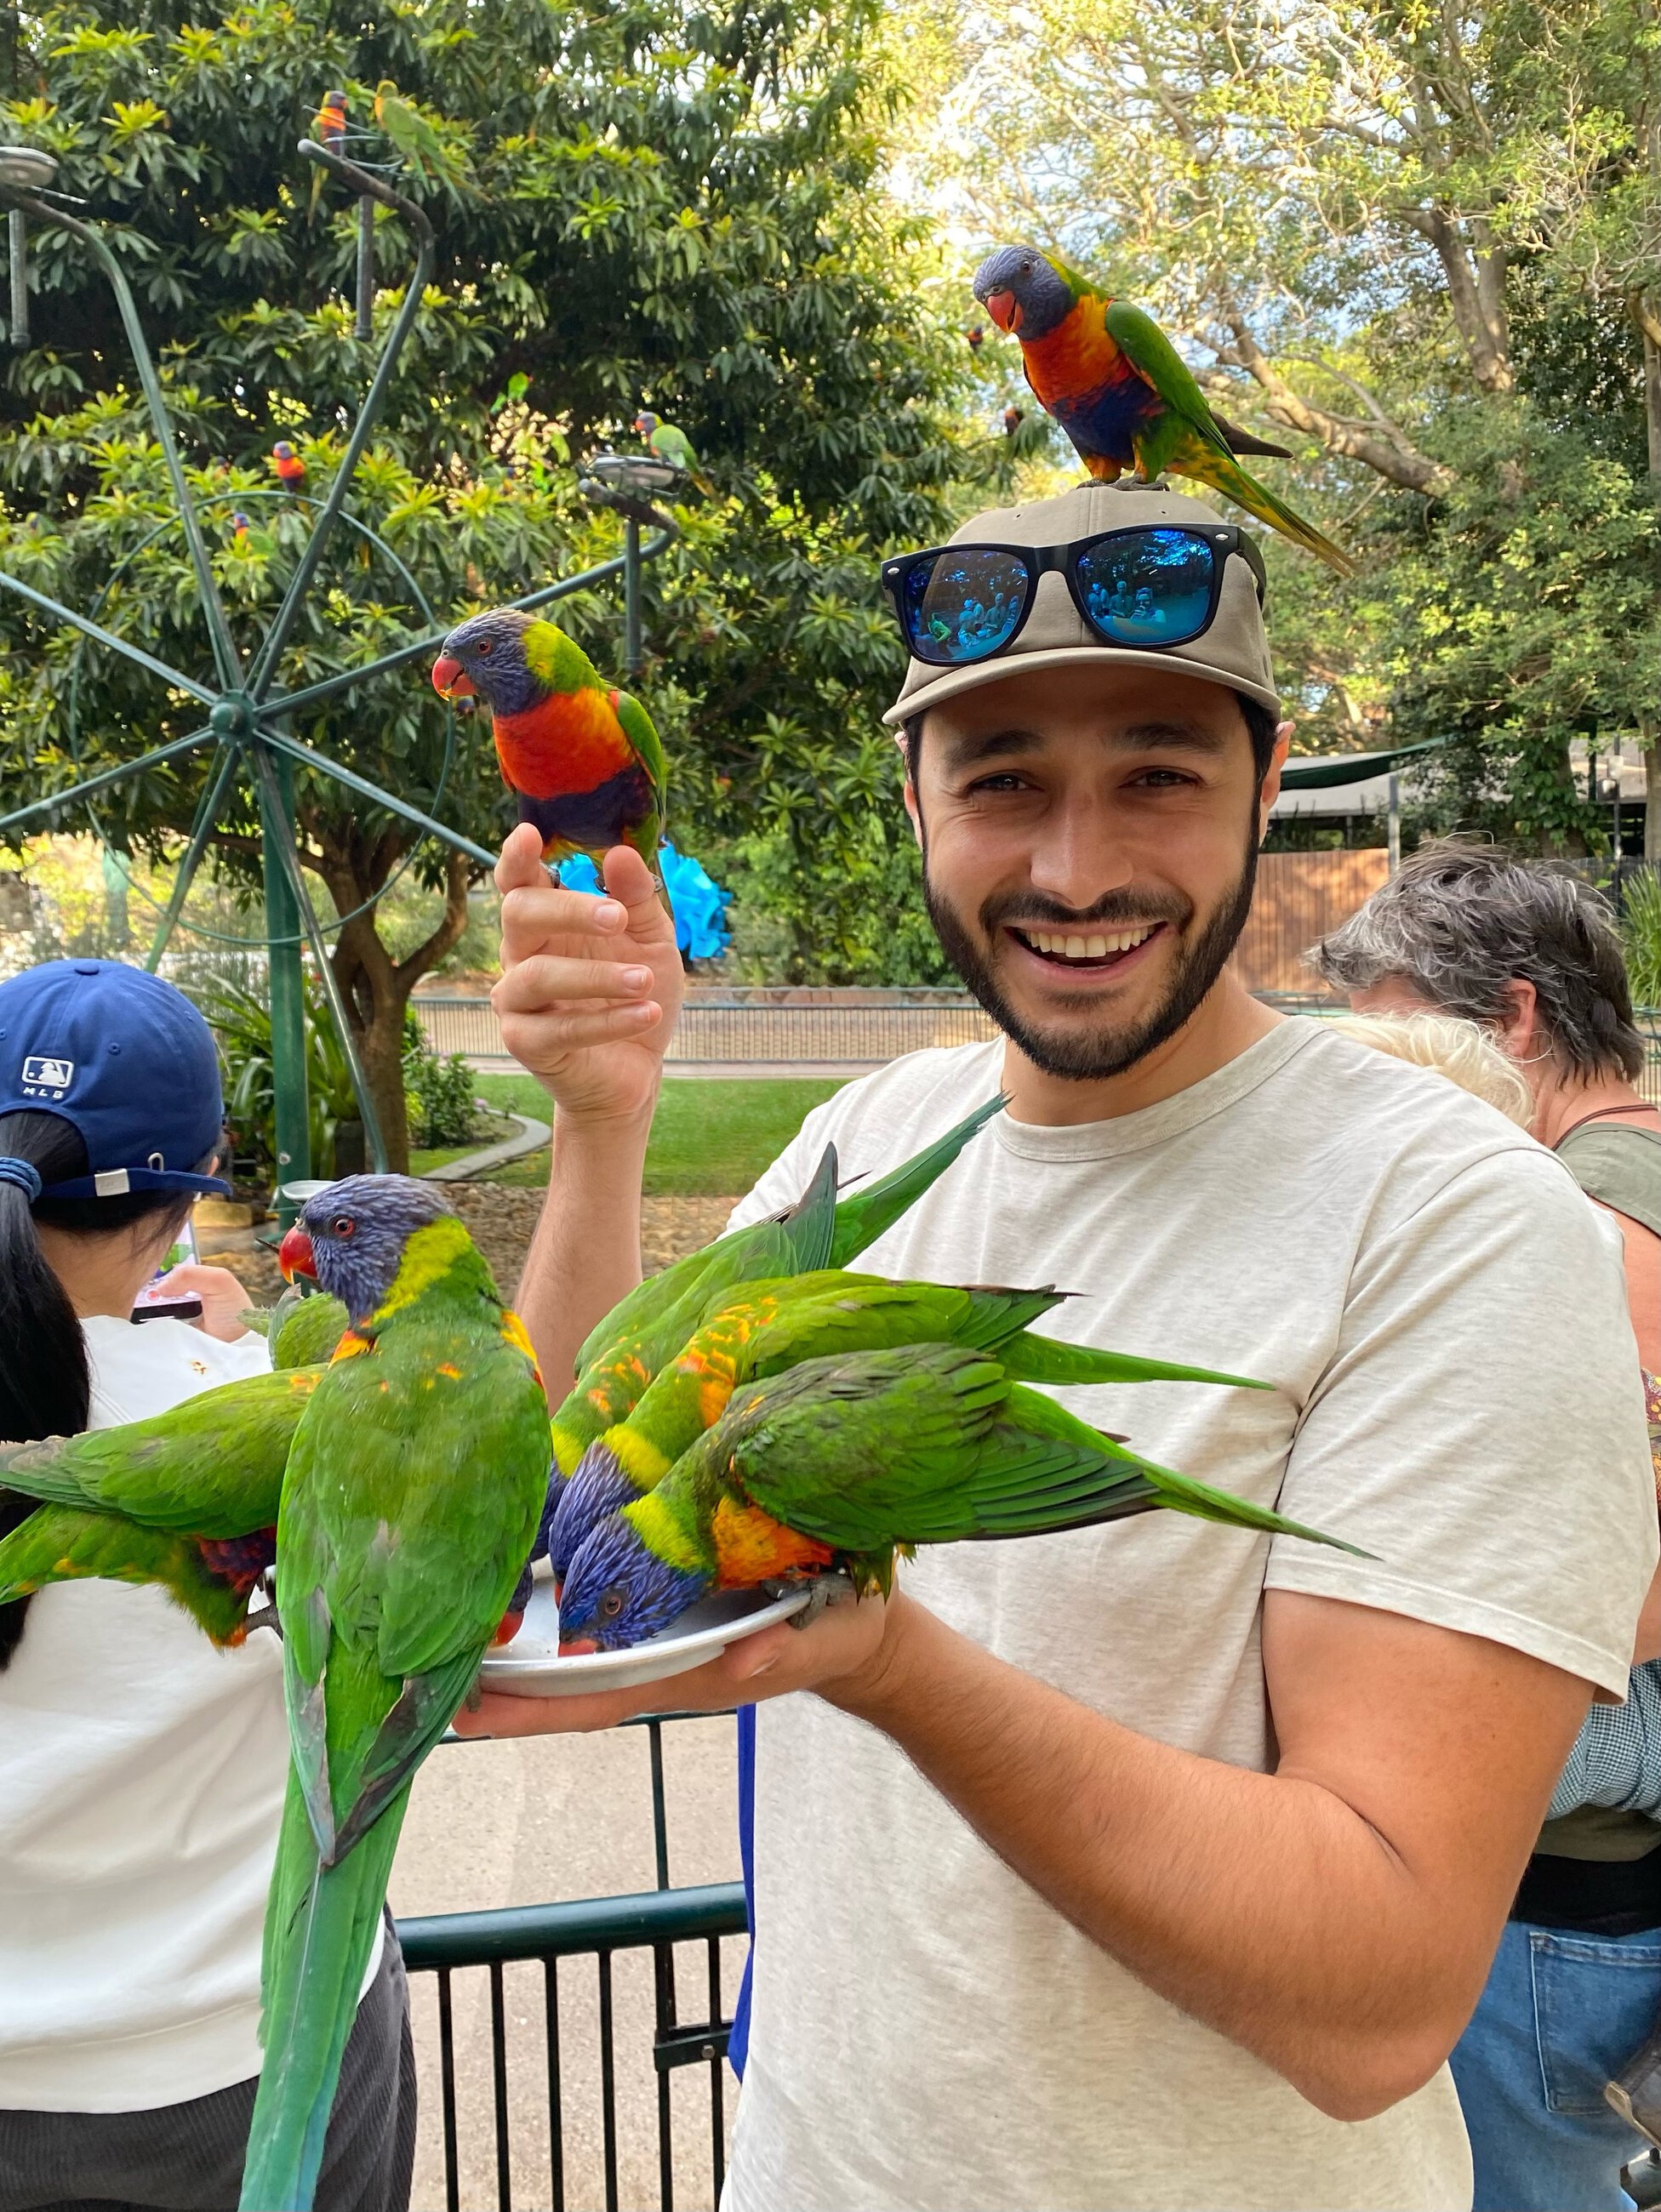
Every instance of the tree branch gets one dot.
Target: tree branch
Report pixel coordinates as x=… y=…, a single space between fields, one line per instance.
x=1392 y=456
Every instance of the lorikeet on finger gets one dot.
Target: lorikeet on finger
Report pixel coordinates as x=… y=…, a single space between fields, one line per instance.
x=846 y=1462
x=413 y=1493
x=669 y=442
x=1121 y=392
x=619 y=1358
x=772 y=1327
x=290 y=469
x=584 y=758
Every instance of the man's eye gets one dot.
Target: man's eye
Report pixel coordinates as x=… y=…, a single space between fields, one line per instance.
x=1163 y=778
x=1008 y=781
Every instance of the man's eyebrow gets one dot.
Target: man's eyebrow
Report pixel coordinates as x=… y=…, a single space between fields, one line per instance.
x=1186 y=737
x=965 y=749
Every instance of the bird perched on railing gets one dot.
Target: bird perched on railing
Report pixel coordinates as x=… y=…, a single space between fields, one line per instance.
x=583 y=758
x=1121 y=392
x=290 y=469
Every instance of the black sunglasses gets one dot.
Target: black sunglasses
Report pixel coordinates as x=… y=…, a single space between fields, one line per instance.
x=1145 y=586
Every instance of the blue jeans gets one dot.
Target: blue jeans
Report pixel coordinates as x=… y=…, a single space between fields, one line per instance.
x=1561 y=2016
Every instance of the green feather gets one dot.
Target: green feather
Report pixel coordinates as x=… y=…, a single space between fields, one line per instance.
x=68 y=1543
x=558 y=661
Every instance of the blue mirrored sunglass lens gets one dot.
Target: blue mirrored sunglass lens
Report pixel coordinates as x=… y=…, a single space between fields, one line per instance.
x=1152 y=589
x=961 y=607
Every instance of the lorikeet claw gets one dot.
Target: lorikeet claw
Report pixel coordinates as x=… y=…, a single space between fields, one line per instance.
x=827 y=1590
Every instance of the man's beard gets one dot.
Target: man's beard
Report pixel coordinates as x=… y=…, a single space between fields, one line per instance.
x=1091 y=1054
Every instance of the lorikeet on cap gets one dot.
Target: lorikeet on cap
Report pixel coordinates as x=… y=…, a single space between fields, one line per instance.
x=584 y=758
x=1121 y=392
x=770 y=1326
x=846 y=1462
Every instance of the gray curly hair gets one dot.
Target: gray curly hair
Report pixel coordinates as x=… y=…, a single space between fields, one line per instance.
x=1459 y=923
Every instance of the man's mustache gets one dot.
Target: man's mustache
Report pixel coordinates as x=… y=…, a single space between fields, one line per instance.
x=1118 y=910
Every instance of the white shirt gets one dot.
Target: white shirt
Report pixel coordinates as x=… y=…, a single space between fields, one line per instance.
x=1456 y=1388
x=141 y=1775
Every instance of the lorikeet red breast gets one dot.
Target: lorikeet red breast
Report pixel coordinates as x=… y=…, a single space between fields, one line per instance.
x=290 y=469
x=1121 y=392
x=584 y=758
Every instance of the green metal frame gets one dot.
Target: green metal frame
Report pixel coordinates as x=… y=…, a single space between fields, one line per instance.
x=248 y=714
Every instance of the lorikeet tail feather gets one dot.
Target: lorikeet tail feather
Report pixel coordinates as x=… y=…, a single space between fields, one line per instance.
x=1045 y=1360
x=319 y=1931
x=863 y=1216
x=1226 y=475
x=1183 y=1494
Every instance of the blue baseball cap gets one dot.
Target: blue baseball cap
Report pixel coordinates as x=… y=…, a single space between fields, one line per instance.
x=127 y=1060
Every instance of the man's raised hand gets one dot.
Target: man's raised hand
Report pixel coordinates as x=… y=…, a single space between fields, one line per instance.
x=591 y=986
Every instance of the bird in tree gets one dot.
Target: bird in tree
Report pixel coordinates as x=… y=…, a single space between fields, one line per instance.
x=619 y=1356
x=416 y=140
x=583 y=758
x=1012 y=419
x=668 y=442
x=187 y=1500
x=329 y=130
x=772 y=1326
x=1122 y=393
x=976 y=335
x=410 y=1497
x=845 y=1463
x=290 y=469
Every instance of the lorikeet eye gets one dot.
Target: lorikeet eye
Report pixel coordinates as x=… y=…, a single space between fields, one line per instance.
x=484 y=645
x=343 y=1226
x=611 y=1605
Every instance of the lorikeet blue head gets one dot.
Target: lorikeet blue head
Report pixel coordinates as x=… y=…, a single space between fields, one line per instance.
x=644 y=423
x=618 y=1592
x=512 y=660
x=598 y=1487
x=1023 y=291
x=351 y=1236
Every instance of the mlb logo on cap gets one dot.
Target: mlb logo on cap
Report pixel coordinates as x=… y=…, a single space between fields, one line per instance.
x=45 y=1077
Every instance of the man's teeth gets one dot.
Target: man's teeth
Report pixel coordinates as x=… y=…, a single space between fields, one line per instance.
x=1096 y=947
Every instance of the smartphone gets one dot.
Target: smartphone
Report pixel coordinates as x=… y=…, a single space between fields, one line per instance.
x=155 y=1304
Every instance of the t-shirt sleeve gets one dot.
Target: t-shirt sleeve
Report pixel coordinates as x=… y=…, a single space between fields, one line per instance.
x=1481 y=1426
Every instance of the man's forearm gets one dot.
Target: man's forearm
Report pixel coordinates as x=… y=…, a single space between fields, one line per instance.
x=585 y=1255
x=1264 y=1905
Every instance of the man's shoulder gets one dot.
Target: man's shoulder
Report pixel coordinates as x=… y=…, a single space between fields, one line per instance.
x=926 y=1091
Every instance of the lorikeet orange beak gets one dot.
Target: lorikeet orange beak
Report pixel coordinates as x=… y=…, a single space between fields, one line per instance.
x=294 y=1255
x=1003 y=309
x=450 y=679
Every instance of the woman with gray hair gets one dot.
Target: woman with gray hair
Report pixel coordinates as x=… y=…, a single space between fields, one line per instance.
x=1531 y=953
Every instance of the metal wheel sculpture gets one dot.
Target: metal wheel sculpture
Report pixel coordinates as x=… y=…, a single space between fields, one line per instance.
x=247 y=712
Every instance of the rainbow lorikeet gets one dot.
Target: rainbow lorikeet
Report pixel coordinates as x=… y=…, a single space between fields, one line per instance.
x=669 y=442
x=584 y=758
x=1121 y=392
x=417 y=142
x=772 y=1326
x=843 y=1463
x=301 y=1330
x=410 y=1499
x=619 y=1356
x=290 y=469
x=187 y=1500
x=328 y=129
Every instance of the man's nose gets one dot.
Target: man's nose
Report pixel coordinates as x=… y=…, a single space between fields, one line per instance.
x=1077 y=859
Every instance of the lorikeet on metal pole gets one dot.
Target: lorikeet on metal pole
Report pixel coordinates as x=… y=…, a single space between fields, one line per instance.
x=583 y=758
x=1121 y=392
x=770 y=1326
x=669 y=442
x=410 y=1500
x=845 y=1463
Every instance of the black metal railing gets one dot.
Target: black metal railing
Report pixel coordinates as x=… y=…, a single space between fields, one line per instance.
x=445 y=1944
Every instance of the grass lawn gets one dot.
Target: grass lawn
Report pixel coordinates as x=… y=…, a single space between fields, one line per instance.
x=709 y=1138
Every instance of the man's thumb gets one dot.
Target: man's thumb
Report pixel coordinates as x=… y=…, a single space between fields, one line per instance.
x=520 y=867
x=632 y=883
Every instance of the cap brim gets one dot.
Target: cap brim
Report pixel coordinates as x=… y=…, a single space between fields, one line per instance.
x=952 y=683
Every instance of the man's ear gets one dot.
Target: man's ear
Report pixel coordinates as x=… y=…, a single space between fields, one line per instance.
x=909 y=793
x=1271 y=784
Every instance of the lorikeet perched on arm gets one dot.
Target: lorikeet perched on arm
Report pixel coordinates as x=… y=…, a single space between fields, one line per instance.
x=772 y=1326
x=410 y=1497
x=584 y=758
x=845 y=1463
x=1121 y=392
x=618 y=1359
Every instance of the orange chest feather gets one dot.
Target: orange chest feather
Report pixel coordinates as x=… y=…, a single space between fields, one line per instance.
x=751 y=1547
x=1077 y=356
x=571 y=742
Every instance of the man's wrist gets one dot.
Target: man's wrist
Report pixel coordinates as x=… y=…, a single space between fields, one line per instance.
x=885 y=1689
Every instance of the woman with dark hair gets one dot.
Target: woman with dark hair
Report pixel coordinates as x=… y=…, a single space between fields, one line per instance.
x=1532 y=954
x=142 y=1771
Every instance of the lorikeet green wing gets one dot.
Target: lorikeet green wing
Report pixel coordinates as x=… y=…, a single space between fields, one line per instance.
x=211 y=1466
x=305 y=1331
x=646 y=834
x=68 y=1543
x=412 y=1494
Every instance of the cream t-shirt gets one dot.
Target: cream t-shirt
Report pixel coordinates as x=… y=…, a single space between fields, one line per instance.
x=141 y=1775
x=1456 y=1390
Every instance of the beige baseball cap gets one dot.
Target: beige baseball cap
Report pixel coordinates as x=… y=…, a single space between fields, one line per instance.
x=1233 y=651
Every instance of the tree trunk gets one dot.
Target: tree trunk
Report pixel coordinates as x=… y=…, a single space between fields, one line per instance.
x=1648 y=734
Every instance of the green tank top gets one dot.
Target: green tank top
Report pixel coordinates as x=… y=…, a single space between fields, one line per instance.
x=1618 y=1164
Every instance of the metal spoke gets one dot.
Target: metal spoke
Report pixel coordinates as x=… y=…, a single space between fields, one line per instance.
x=201 y=830
x=361 y=785
x=175 y=676
x=73 y=792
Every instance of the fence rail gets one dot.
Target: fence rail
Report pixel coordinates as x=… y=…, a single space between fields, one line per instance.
x=846 y=1032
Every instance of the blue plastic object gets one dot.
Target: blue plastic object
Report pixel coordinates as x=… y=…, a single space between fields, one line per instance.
x=699 y=903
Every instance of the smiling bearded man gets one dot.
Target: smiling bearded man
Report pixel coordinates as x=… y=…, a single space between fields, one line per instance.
x=1158 y=1863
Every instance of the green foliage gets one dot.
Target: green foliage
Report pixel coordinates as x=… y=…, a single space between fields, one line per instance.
x=241 y=1023
x=1641 y=934
x=440 y=1097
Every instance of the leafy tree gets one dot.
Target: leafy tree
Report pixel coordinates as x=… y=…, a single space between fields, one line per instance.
x=661 y=203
